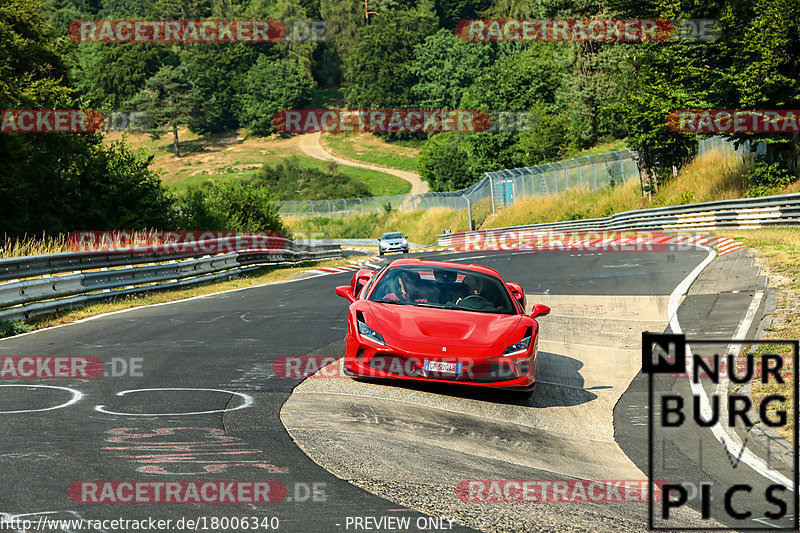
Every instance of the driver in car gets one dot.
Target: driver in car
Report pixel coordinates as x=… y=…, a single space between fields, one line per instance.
x=475 y=298
x=408 y=289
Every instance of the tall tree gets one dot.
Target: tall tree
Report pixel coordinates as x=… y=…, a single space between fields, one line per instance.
x=271 y=86
x=342 y=20
x=378 y=71
x=169 y=101
x=445 y=67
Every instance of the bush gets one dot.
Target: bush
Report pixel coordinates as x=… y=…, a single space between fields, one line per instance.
x=443 y=163
x=289 y=181
x=767 y=178
x=9 y=329
x=229 y=207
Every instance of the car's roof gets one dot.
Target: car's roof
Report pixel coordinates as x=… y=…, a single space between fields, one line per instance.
x=422 y=262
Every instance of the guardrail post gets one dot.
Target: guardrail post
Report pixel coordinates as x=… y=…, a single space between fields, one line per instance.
x=329 y=207
x=360 y=201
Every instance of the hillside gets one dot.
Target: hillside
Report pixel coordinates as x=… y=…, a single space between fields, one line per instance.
x=711 y=176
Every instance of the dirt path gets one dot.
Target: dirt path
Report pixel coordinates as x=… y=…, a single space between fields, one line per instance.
x=309 y=144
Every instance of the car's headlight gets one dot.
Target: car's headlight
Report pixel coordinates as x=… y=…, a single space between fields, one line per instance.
x=384 y=244
x=404 y=242
x=370 y=333
x=518 y=347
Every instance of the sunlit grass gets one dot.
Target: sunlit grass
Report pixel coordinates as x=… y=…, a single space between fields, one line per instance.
x=32 y=245
x=367 y=148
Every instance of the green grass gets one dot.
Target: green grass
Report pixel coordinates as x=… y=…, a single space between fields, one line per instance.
x=372 y=150
x=378 y=183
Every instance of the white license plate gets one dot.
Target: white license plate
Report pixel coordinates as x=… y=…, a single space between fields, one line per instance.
x=440 y=366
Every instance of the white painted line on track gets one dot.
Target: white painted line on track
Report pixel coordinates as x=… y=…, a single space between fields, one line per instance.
x=248 y=401
x=76 y=396
x=747 y=456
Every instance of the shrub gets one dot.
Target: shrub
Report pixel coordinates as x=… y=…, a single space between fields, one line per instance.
x=766 y=178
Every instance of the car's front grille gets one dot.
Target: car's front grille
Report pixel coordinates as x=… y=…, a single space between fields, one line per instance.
x=400 y=365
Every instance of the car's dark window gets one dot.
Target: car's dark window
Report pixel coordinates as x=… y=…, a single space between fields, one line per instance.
x=450 y=288
x=387 y=236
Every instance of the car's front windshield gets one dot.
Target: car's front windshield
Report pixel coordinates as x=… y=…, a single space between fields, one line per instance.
x=443 y=287
x=392 y=236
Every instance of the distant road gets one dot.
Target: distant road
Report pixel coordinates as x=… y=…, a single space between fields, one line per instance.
x=309 y=144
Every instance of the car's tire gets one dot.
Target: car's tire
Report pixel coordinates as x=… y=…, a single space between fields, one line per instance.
x=405 y=251
x=381 y=252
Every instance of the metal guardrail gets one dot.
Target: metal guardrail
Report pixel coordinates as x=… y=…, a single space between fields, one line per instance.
x=725 y=214
x=40 y=284
x=361 y=242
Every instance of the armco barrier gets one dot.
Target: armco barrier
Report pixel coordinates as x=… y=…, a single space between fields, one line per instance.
x=779 y=210
x=40 y=284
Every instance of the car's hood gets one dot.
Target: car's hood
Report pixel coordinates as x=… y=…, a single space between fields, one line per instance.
x=443 y=326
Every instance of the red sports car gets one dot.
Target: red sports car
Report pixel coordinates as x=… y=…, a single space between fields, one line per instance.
x=440 y=322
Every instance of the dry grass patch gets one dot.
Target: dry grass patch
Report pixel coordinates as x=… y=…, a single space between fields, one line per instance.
x=33 y=245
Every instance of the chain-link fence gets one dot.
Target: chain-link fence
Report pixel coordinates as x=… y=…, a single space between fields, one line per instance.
x=501 y=187
x=744 y=150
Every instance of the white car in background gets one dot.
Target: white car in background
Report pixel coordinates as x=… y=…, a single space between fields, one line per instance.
x=392 y=242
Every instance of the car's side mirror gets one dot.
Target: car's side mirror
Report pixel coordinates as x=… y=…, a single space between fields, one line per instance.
x=517 y=292
x=360 y=279
x=345 y=291
x=540 y=310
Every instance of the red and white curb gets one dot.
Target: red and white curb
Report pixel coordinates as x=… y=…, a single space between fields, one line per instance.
x=722 y=245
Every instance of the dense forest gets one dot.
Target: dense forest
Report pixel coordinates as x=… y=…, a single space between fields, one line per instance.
x=383 y=54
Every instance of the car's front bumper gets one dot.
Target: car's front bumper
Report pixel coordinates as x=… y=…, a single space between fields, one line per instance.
x=365 y=360
x=394 y=248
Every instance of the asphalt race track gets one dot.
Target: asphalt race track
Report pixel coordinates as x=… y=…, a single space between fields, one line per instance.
x=206 y=405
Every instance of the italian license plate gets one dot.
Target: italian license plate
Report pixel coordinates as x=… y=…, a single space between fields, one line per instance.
x=441 y=366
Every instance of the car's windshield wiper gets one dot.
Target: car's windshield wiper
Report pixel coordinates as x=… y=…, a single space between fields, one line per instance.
x=435 y=306
x=389 y=301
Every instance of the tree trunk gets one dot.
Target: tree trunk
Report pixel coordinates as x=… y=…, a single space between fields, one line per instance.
x=175 y=140
x=646 y=173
